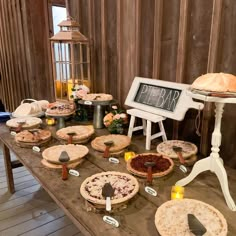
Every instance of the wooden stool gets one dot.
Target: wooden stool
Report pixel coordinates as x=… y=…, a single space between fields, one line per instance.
x=147 y=119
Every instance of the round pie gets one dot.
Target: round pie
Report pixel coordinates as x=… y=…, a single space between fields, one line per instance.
x=119 y=142
x=97 y=97
x=75 y=152
x=81 y=133
x=218 y=82
x=163 y=165
x=125 y=187
x=166 y=148
x=58 y=166
x=33 y=137
x=30 y=122
x=172 y=218
x=60 y=109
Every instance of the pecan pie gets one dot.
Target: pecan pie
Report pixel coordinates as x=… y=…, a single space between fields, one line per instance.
x=125 y=187
x=171 y=218
x=75 y=153
x=119 y=142
x=166 y=148
x=163 y=165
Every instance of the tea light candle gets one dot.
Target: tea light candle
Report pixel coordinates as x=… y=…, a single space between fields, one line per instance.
x=129 y=155
x=177 y=192
x=50 y=121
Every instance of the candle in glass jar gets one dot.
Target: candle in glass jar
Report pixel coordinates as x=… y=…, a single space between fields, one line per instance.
x=129 y=155
x=50 y=121
x=177 y=192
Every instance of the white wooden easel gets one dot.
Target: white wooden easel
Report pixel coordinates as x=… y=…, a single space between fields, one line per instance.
x=149 y=112
x=213 y=163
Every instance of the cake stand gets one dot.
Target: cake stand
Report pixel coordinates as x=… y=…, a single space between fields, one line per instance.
x=98 y=111
x=61 y=118
x=213 y=162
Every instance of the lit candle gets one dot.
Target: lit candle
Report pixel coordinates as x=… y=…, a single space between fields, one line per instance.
x=50 y=121
x=129 y=155
x=177 y=192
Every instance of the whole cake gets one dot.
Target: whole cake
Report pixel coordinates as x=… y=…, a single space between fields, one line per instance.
x=216 y=82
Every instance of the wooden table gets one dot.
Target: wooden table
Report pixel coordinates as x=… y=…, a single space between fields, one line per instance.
x=138 y=218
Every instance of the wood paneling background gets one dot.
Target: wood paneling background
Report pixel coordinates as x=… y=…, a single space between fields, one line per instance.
x=173 y=40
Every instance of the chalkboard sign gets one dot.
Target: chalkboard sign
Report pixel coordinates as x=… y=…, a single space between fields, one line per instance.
x=160 y=97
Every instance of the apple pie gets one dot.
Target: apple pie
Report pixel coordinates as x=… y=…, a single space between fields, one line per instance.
x=28 y=122
x=120 y=142
x=97 y=97
x=125 y=187
x=172 y=218
x=75 y=153
x=163 y=165
x=81 y=133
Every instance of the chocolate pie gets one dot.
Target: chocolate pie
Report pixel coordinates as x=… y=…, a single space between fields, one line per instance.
x=125 y=187
x=163 y=165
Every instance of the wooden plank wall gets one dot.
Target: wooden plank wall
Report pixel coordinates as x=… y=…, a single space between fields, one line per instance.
x=24 y=65
x=174 y=40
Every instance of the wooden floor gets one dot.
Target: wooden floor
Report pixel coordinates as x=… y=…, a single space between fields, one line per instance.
x=30 y=211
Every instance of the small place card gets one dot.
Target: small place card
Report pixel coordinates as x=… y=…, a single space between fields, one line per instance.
x=114 y=160
x=151 y=191
x=36 y=148
x=111 y=221
x=74 y=172
x=183 y=168
x=88 y=103
x=13 y=133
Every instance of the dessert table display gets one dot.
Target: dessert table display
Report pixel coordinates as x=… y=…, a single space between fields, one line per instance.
x=132 y=207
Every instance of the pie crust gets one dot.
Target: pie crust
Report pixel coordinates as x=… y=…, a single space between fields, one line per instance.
x=171 y=218
x=97 y=97
x=30 y=122
x=82 y=133
x=164 y=165
x=119 y=142
x=125 y=185
x=26 y=136
x=75 y=152
x=166 y=148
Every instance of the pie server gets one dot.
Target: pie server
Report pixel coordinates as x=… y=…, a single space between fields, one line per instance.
x=195 y=226
x=108 y=192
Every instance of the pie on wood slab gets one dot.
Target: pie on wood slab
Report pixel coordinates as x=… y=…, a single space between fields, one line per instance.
x=164 y=165
x=81 y=133
x=97 y=97
x=217 y=82
x=119 y=142
x=166 y=148
x=75 y=153
x=30 y=122
x=33 y=137
x=172 y=218
x=125 y=187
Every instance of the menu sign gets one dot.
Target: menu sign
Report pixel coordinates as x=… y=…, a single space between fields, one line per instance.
x=158 y=96
x=163 y=98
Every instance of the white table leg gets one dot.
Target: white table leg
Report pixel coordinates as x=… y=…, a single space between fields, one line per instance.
x=213 y=162
x=131 y=126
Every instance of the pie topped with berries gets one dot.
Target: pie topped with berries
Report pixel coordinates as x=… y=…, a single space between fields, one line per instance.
x=125 y=187
x=80 y=133
x=60 y=109
x=161 y=165
x=166 y=148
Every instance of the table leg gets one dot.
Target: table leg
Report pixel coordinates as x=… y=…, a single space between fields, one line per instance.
x=8 y=167
x=213 y=163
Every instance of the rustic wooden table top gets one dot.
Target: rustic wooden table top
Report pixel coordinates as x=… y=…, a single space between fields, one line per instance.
x=138 y=217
